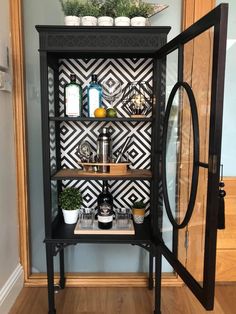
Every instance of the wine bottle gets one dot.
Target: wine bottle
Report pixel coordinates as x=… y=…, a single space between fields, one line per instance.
x=94 y=93
x=105 y=208
x=73 y=98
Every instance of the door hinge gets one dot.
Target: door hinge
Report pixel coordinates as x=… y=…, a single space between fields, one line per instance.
x=213 y=164
x=186 y=241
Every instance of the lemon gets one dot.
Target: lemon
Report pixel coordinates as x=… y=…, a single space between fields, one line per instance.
x=100 y=113
x=111 y=113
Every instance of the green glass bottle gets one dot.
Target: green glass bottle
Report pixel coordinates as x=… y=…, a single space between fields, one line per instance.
x=73 y=98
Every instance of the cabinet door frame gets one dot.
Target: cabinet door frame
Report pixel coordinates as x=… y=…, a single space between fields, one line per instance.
x=217 y=18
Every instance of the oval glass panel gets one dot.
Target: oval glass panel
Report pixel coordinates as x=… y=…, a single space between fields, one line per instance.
x=180 y=155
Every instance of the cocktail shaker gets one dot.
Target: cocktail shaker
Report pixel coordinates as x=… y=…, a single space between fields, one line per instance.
x=104 y=149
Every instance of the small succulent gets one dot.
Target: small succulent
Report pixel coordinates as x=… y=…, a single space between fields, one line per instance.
x=70 y=199
x=69 y=7
x=89 y=8
x=139 y=204
x=141 y=8
x=107 y=8
x=122 y=8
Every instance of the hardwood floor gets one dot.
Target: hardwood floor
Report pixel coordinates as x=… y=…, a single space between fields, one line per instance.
x=177 y=300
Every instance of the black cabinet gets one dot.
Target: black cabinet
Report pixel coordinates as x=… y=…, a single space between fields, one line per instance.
x=175 y=160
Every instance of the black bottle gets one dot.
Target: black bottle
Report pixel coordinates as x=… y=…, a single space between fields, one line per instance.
x=105 y=208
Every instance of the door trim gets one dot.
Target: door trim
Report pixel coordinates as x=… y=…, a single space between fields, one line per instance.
x=19 y=112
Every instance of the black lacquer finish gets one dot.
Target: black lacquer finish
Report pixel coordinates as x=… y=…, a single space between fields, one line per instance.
x=65 y=232
x=115 y=41
x=216 y=19
x=99 y=42
x=129 y=42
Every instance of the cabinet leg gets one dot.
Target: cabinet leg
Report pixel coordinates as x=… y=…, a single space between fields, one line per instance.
x=50 y=275
x=150 y=279
x=157 y=293
x=62 y=269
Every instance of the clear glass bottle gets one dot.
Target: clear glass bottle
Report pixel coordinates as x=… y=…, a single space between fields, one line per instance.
x=105 y=207
x=73 y=98
x=94 y=92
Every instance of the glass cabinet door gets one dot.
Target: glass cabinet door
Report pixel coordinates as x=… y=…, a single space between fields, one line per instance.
x=191 y=145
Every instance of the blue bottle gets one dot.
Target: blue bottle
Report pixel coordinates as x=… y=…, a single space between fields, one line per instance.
x=94 y=92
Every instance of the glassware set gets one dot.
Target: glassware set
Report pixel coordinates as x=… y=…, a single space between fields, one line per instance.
x=122 y=218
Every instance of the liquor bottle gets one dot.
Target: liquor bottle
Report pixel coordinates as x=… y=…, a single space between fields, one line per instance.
x=73 y=98
x=105 y=208
x=94 y=92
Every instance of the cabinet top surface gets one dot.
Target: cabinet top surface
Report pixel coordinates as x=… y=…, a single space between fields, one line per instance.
x=114 y=29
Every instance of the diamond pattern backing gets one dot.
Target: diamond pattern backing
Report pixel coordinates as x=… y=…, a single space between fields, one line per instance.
x=73 y=132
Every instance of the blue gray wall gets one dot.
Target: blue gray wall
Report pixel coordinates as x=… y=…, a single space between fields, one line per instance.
x=229 y=119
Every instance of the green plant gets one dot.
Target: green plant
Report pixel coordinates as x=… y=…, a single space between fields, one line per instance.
x=70 y=7
x=90 y=8
x=139 y=204
x=107 y=8
x=141 y=9
x=70 y=199
x=122 y=8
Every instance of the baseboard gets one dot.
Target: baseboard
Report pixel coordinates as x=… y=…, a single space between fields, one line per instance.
x=103 y=280
x=11 y=289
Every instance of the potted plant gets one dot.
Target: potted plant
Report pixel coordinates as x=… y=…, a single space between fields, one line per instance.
x=122 y=12
x=70 y=9
x=107 y=13
x=139 y=12
x=138 y=211
x=89 y=13
x=70 y=200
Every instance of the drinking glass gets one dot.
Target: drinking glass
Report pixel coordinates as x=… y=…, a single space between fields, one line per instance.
x=123 y=218
x=111 y=90
x=86 y=218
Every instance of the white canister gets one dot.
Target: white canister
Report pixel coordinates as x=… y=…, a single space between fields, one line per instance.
x=89 y=21
x=122 y=21
x=138 y=21
x=105 y=21
x=72 y=20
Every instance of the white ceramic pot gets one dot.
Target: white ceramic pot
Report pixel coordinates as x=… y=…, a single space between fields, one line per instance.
x=122 y=21
x=105 y=21
x=138 y=21
x=89 y=21
x=70 y=216
x=72 y=20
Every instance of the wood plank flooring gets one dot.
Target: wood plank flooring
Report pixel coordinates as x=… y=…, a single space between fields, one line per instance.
x=177 y=300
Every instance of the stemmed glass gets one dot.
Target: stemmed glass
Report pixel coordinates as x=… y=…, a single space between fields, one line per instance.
x=112 y=90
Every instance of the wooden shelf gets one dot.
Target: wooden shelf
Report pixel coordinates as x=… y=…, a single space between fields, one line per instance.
x=113 y=231
x=77 y=174
x=118 y=119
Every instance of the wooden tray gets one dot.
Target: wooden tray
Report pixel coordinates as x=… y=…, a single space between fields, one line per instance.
x=115 y=168
x=95 y=230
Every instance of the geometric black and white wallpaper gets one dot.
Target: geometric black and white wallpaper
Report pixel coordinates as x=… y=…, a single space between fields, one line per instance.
x=73 y=132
